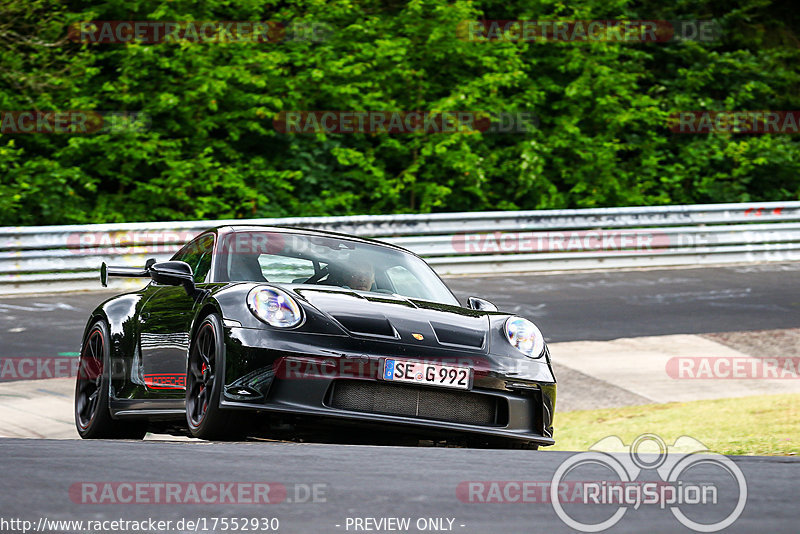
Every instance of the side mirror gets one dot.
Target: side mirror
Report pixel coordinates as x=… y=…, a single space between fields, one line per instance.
x=475 y=303
x=173 y=273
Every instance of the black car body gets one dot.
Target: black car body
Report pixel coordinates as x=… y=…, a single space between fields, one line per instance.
x=190 y=348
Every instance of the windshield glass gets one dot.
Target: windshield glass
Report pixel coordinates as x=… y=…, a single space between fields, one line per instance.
x=288 y=258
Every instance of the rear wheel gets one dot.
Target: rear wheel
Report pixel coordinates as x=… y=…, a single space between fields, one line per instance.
x=92 y=414
x=204 y=382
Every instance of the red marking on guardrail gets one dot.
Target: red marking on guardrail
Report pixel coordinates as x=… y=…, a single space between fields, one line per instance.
x=759 y=211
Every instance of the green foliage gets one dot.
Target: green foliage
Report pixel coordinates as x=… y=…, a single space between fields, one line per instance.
x=211 y=150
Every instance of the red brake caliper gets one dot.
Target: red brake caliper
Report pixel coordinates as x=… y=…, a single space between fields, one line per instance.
x=202 y=387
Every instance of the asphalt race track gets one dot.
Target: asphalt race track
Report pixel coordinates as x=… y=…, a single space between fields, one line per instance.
x=599 y=306
x=47 y=479
x=351 y=482
x=567 y=307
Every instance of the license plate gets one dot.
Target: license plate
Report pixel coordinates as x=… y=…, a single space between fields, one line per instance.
x=426 y=373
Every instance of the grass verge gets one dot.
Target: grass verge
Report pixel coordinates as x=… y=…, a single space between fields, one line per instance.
x=767 y=425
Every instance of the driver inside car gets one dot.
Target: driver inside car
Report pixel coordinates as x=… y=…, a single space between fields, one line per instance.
x=359 y=277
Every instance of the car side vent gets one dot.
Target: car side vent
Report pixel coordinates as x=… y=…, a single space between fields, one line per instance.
x=458 y=335
x=366 y=326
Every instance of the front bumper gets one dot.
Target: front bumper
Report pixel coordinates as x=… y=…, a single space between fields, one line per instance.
x=339 y=384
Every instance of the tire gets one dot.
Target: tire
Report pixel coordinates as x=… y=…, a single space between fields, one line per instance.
x=204 y=382
x=92 y=412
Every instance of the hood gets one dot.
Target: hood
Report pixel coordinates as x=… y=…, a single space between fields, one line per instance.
x=405 y=320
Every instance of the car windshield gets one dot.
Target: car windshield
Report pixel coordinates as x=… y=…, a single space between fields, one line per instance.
x=291 y=258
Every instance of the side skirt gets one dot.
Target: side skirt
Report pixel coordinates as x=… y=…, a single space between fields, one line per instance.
x=152 y=409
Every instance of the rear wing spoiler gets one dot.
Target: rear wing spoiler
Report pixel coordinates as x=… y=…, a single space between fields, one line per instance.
x=124 y=272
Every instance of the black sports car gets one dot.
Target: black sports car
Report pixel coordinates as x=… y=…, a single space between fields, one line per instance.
x=256 y=330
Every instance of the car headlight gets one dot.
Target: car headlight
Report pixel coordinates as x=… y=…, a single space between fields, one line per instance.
x=274 y=307
x=524 y=336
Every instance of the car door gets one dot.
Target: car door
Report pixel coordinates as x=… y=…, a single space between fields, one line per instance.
x=165 y=320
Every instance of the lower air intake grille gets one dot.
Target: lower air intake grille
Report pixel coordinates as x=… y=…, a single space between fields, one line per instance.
x=425 y=403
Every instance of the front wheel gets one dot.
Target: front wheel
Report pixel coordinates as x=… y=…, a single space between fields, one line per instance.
x=92 y=414
x=204 y=381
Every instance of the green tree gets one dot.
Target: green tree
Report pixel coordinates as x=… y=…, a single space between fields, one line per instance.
x=211 y=149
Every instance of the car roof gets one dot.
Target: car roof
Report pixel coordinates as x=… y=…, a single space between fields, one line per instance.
x=233 y=228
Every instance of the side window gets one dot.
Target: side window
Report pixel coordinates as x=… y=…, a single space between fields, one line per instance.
x=284 y=269
x=204 y=264
x=198 y=255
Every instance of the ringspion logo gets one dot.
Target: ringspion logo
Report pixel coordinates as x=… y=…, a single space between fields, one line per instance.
x=696 y=479
x=592 y=491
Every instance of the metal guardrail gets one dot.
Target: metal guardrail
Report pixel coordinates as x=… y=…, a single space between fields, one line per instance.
x=47 y=258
